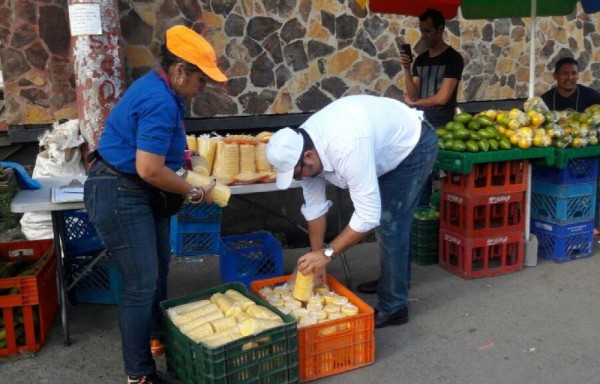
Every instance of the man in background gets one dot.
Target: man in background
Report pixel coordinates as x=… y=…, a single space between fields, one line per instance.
x=568 y=94
x=432 y=82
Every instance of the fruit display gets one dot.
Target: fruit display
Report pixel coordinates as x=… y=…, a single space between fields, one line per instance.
x=535 y=126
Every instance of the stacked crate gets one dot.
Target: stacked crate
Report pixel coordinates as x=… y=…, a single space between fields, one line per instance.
x=196 y=230
x=563 y=203
x=482 y=219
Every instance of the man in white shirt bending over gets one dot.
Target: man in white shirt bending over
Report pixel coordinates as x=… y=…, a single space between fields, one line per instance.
x=383 y=152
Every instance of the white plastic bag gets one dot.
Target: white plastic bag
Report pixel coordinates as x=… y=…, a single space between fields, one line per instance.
x=61 y=157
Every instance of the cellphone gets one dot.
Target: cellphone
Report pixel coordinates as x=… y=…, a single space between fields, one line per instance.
x=405 y=48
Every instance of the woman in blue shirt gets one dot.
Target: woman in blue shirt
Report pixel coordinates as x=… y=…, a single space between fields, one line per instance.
x=141 y=148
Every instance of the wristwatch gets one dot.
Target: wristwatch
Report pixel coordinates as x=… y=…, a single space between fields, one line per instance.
x=328 y=252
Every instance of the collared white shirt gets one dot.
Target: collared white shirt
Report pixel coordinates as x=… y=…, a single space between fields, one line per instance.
x=358 y=138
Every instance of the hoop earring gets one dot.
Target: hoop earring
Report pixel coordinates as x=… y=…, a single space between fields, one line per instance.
x=179 y=81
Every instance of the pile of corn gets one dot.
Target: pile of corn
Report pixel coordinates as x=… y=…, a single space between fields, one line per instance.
x=232 y=159
x=320 y=306
x=223 y=318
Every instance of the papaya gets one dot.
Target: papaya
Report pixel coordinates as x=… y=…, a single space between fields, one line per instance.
x=504 y=143
x=485 y=121
x=474 y=124
x=493 y=144
x=463 y=118
x=461 y=134
x=458 y=146
x=472 y=146
x=484 y=145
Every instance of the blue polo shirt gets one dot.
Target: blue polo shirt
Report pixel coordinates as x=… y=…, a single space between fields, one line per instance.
x=148 y=117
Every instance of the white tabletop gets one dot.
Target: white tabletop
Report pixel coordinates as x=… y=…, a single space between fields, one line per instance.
x=242 y=189
x=38 y=200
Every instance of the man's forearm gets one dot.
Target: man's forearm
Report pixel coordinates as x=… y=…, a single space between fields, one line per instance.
x=316 y=232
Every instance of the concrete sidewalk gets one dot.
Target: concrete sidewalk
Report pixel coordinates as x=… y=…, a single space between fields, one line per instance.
x=537 y=326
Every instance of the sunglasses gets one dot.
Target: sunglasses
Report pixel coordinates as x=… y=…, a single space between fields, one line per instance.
x=298 y=175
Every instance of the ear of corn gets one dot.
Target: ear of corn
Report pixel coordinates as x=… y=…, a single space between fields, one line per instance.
x=247 y=158
x=220 y=194
x=186 y=316
x=192 y=143
x=223 y=324
x=228 y=160
x=227 y=305
x=255 y=326
x=174 y=311
x=261 y=312
x=303 y=286
x=207 y=148
x=262 y=164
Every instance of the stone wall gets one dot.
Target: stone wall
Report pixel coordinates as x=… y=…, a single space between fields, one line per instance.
x=287 y=56
x=38 y=77
x=284 y=56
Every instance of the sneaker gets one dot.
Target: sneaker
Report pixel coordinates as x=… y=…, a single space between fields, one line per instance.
x=157 y=348
x=155 y=378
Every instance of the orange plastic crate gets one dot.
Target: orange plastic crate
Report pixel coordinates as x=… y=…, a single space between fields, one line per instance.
x=323 y=352
x=36 y=301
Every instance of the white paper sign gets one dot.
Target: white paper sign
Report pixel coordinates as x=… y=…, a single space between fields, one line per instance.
x=85 y=19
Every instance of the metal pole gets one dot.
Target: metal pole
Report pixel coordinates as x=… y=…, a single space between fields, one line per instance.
x=531 y=91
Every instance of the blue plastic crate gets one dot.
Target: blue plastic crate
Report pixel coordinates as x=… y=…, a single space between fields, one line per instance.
x=564 y=248
x=199 y=213
x=100 y=285
x=562 y=229
x=194 y=239
x=250 y=257
x=564 y=190
x=576 y=208
x=80 y=235
x=578 y=170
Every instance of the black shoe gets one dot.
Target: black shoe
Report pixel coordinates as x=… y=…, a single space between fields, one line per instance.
x=368 y=287
x=155 y=378
x=397 y=318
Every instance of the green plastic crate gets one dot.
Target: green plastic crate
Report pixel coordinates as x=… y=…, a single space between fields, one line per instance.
x=424 y=241
x=462 y=162
x=270 y=357
x=563 y=155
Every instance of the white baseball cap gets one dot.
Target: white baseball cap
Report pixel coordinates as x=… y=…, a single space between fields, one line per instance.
x=283 y=152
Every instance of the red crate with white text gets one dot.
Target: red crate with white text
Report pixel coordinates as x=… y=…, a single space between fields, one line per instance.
x=482 y=215
x=474 y=257
x=488 y=178
x=28 y=302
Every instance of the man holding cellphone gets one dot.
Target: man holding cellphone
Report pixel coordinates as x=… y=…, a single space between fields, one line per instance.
x=432 y=82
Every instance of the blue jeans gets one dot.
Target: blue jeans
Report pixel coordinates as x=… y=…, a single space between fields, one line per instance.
x=400 y=190
x=139 y=243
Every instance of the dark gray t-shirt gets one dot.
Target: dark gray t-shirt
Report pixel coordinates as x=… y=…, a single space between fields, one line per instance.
x=432 y=71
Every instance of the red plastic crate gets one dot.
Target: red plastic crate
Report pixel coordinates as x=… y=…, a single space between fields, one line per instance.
x=482 y=215
x=489 y=178
x=322 y=353
x=472 y=258
x=36 y=300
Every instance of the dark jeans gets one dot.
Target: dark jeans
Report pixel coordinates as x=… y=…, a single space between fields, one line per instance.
x=400 y=191
x=139 y=242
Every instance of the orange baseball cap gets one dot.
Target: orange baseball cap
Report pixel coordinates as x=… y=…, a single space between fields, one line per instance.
x=193 y=48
